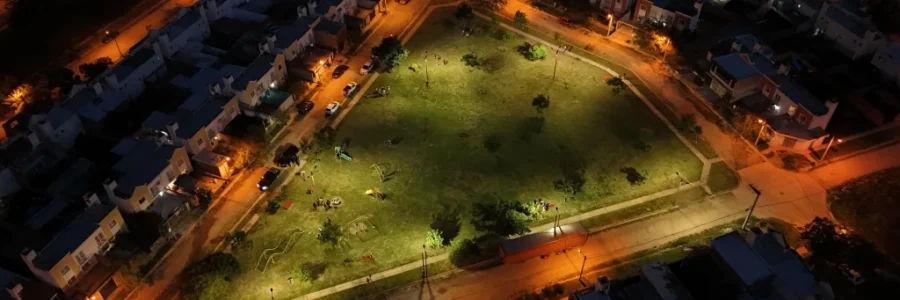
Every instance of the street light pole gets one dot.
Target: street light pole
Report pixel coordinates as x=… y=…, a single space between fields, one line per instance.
x=555 y=62
x=556 y=224
x=609 y=27
x=583 y=262
x=761 y=128
x=829 y=147
x=426 y=68
x=424 y=264
x=752 y=208
x=116 y=41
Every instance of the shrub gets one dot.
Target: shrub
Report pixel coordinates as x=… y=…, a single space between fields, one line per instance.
x=470 y=60
x=434 y=239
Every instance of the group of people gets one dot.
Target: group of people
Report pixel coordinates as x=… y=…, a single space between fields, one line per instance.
x=547 y=205
x=328 y=204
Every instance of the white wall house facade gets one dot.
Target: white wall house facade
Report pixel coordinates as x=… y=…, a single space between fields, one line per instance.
x=847 y=23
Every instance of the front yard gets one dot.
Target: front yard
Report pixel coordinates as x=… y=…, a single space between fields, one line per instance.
x=471 y=136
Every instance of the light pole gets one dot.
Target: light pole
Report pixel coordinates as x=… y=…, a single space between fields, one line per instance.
x=583 y=262
x=829 y=147
x=556 y=224
x=115 y=38
x=426 y=68
x=424 y=264
x=761 y=128
x=609 y=27
x=556 y=61
x=752 y=208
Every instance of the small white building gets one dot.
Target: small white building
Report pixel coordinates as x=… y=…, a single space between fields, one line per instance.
x=887 y=59
x=847 y=23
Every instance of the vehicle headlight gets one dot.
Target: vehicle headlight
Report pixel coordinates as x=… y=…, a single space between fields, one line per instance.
x=265 y=188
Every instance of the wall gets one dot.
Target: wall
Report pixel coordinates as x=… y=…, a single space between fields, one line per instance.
x=888 y=66
x=161 y=182
x=8 y=182
x=60 y=280
x=255 y=88
x=296 y=48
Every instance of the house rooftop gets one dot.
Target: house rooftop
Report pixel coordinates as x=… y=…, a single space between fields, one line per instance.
x=132 y=62
x=259 y=67
x=59 y=116
x=800 y=95
x=47 y=213
x=167 y=204
x=740 y=258
x=89 y=105
x=736 y=66
x=31 y=290
x=175 y=28
x=72 y=236
x=74 y=180
x=786 y=263
x=814 y=4
x=200 y=82
x=287 y=35
x=891 y=52
x=329 y=27
x=141 y=161
x=848 y=22
x=324 y=6
x=683 y=6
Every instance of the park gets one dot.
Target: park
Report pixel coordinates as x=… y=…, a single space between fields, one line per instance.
x=475 y=115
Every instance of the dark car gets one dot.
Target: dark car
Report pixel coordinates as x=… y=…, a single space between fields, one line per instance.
x=287 y=156
x=304 y=107
x=266 y=182
x=339 y=70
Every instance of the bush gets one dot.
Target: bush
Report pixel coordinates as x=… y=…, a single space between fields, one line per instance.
x=211 y=277
x=465 y=253
x=470 y=60
x=309 y=271
x=434 y=239
x=533 y=52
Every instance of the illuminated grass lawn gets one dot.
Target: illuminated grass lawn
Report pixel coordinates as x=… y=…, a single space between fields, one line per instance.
x=471 y=136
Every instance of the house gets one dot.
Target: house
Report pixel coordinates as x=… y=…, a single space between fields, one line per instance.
x=617 y=8
x=265 y=72
x=213 y=164
x=796 y=119
x=197 y=129
x=677 y=14
x=313 y=64
x=333 y=10
x=887 y=60
x=217 y=9
x=92 y=103
x=128 y=76
x=72 y=252
x=8 y=182
x=18 y=287
x=330 y=35
x=292 y=39
x=847 y=23
x=60 y=126
x=143 y=173
x=190 y=25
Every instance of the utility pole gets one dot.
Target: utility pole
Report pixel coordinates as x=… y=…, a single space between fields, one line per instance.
x=610 y=26
x=829 y=147
x=424 y=264
x=426 y=68
x=750 y=213
x=583 y=262
x=115 y=37
x=556 y=224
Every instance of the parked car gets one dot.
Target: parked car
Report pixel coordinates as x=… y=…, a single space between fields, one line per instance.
x=332 y=108
x=287 y=156
x=565 y=21
x=304 y=107
x=265 y=183
x=367 y=67
x=350 y=88
x=339 y=70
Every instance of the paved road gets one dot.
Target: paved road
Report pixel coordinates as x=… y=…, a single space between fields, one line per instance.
x=223 y=217
x=132 y=27
x=833 y=174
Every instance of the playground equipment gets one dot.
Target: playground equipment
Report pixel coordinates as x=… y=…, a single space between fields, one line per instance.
x=340 y=154
x=285 y=244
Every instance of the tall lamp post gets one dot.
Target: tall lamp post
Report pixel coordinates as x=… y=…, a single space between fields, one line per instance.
x=115 y=37
x=426 y=68
x=609 y=27
x=761 y=128
x=752 y=208
x=556 y=61
x=829 y=146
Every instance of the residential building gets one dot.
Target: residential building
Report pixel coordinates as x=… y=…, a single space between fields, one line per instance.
x=18 y=287
x=265 y=72
x=847 y=23
x=617 y=8
x=128 y=76
x=190 y=25
x=8 y=182
x=195 y=129
x=292 y=39
x=92 y=103
x=73 y=251
x=333 y=10
x=750 y=265
x=143 y=173
x=796 y=118
x=59 y=126
x=330 y=35
x=675 y=14
x=887 y=59
x=217 y=9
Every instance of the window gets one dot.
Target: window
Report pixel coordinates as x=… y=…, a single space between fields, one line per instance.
x=179 y=162
x=80 y=257
x=767 y=90
x=65 y=270
x=100 y=238
x=142 y=200
x=777 y=98
x=113 y=223
x=279 y=67
x=199 y=142
x=801 y=118
x=791 y=110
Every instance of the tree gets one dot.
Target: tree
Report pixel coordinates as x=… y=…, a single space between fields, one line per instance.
x=521 y=19
x=470 y=60
x=94 y=69
x=688 y=125
x=748 y=125
x=616 y=83
x=464 y=11
x=501 y=218
x=536 y=52
x=541 y=102
x=390 y=53
x=19 y=98
x=7 y=85
x=210 y=278
x=330 y=233
x=488 y=5
x=842 y=249
x=145 y=227
x=434 y=239
x=237 y=240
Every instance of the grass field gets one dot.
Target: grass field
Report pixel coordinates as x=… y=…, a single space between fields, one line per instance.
x=471 y=136
x=722 y=178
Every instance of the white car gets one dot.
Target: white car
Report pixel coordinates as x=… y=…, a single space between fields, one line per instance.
x=350 y=88
x=367 y=67
x=332 y=108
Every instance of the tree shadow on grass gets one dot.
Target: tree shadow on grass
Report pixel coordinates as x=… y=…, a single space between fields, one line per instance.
x=448 y=223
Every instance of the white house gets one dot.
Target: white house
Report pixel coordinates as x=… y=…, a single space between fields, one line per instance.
x=197 y=129
x=191 y=25
x=887 y=59
x=847 y=23
x=59 y=126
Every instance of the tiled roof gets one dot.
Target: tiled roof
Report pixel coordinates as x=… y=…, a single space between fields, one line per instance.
x=328 y=26
x=800 y=95
x=746 y=264
x=259 y=67
x=141 y=161
x=132 y=62
x=285 y=36
x=846 y=21
x=72 y=236
x=683 y=6
x=736 y=66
